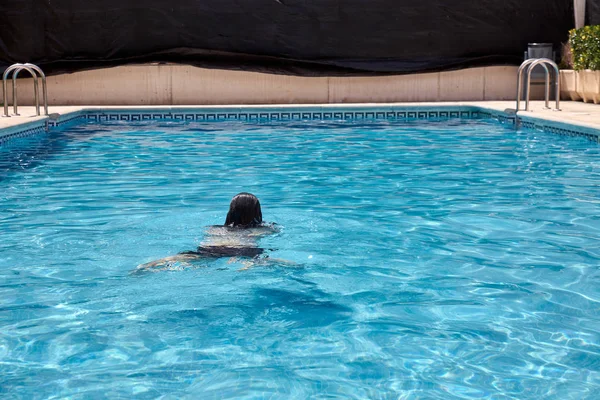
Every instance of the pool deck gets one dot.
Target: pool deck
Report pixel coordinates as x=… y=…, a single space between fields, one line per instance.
x=574 y=113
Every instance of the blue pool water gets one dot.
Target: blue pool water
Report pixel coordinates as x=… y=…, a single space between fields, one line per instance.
x=434 y=260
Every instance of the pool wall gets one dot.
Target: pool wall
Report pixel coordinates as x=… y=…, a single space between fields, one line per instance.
x=312 y=112
x=167 y=84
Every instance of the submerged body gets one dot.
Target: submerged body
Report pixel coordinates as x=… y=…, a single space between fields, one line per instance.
x=221 y=241
x=236 y=239
x=224 y=241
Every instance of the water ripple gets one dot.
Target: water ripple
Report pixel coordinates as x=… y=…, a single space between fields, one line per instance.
x=441 y=260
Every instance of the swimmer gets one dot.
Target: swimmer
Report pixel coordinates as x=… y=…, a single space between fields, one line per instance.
x=236 y=239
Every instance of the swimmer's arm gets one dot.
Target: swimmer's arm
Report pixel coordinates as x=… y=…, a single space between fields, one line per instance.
x=167 y=262
x=263 y=261
x=268 y=229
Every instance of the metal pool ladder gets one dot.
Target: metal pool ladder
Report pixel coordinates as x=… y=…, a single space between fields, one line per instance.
x=33 y=70
x=528 y=66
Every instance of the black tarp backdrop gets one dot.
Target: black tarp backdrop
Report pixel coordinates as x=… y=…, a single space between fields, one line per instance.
x=592 y=12
x=303 y=37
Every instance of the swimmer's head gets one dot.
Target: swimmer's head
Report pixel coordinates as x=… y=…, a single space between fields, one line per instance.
x=244 y=211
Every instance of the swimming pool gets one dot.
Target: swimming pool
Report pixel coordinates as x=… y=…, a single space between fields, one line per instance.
x=436 y=259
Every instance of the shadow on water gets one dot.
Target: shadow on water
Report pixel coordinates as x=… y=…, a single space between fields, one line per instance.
x=23 y=154
x=300 y=309
x=265 y=306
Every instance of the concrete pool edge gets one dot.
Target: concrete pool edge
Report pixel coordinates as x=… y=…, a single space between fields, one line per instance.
x=579 y=120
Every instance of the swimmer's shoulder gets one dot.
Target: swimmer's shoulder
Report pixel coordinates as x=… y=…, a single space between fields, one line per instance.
x=266 y=228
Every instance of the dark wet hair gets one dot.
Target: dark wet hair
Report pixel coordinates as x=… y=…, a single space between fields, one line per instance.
x=244 y=211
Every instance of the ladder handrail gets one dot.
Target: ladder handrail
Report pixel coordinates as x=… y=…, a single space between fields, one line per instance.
x=526 y=65
x=33 y=70
x=44 y=86
x=35 y=88
x=543 y=61
x=529 y=65
x=4 y=77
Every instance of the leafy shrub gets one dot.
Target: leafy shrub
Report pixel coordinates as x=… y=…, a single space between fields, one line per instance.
x=585 y=47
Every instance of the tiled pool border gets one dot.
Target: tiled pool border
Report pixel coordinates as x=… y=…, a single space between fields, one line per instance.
x=292 y=113
x=270 y=114
x=23 y=130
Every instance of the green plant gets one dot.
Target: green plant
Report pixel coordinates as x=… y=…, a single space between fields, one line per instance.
x=585 y=47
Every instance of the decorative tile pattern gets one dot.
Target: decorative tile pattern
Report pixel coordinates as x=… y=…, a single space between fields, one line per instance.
x=54 y=123
x=22 y=134
x=283 y=115
x=510 y=120
x=559 y=130
x=529 y=125
x=257 y=114
x=500 y=117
